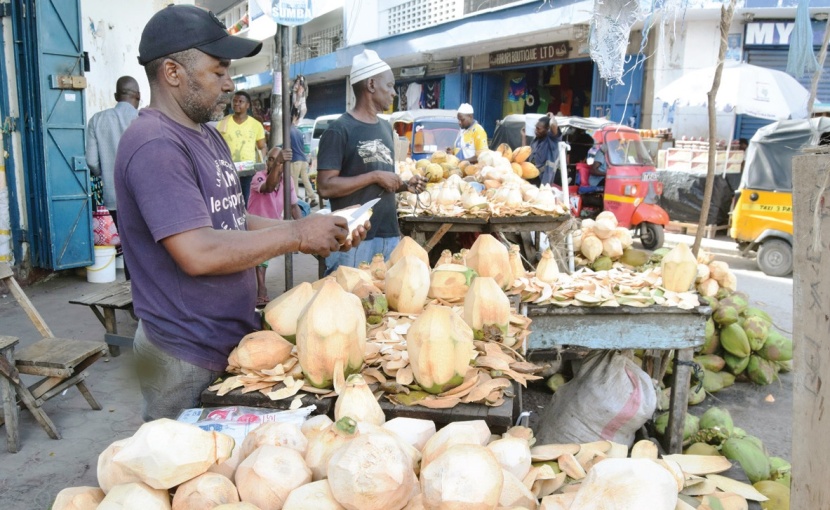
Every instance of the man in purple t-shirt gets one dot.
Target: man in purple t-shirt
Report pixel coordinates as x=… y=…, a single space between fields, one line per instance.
x=190 y=243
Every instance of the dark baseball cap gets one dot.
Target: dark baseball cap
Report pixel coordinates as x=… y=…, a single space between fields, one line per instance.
x=182 y=27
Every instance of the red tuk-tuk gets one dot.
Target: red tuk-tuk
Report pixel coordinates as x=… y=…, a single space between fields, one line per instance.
x=631 y=189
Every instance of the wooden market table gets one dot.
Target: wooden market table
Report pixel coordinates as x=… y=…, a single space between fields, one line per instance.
x=626 y=327
x=499 y=419
x=418 y=227
x=104 y=303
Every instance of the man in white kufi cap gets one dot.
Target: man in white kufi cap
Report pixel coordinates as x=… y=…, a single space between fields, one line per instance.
x=355 y=162
x=471 y=139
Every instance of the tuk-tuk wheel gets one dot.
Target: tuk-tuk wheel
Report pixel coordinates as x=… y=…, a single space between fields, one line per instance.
x=651 y=236
x=775 y=257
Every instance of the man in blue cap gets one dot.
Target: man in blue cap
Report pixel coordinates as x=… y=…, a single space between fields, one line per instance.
x=191 y=245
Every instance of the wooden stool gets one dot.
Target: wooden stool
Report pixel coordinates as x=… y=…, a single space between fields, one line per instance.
x=10 y=385
x=60 y=361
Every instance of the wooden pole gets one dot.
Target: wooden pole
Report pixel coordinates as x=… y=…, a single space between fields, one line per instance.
x=726 y=13
x=811 y=349
x=822 y=55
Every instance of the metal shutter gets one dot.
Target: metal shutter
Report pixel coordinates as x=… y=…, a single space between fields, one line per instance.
x=326 y=99
x=777 y=59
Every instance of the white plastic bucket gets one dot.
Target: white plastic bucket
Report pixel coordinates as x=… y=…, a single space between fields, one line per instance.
x=103 y=270
x=119 y=262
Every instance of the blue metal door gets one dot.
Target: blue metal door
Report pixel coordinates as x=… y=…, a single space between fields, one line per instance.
x=620 y=103
x=488 y=89
x=49 y=59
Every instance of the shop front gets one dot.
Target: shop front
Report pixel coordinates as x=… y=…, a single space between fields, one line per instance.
x=548 y=78
x=327 y=98
x=431 y=86
x=766 y=44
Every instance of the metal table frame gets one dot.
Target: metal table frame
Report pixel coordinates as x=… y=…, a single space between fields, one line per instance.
x=419 y=226
x=655 y=327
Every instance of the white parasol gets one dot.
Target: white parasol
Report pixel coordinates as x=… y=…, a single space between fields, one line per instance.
x=745 y=89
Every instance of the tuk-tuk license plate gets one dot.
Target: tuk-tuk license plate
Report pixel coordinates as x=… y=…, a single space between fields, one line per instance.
x=649 y=176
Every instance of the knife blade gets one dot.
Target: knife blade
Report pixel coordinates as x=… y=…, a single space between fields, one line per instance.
x=357 y=213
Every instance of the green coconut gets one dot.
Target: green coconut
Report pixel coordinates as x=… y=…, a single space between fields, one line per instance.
x=711 y=362
x=777 y=347
x=757 y=330
x=736 y=364
x=760 y=371
x=752 y=459
x=734 y=340
x=716 y=417
x=725 y=315
x=711 y=343
x=752 y=311
x=690 y=426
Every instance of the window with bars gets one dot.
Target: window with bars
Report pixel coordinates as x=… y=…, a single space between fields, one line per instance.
x=318 y=43
x=417 y=14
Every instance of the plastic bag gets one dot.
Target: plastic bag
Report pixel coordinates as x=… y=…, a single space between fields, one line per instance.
x=610 y=398
x=237 y=421
x=103 y=228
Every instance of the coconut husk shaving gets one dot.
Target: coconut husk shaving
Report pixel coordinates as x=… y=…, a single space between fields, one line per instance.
x=618 y=286
x=284 y=381
x=490 y=209
x=497 y=363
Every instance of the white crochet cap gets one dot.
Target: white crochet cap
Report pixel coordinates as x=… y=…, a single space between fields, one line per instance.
x=466 y=109
x=366 y=65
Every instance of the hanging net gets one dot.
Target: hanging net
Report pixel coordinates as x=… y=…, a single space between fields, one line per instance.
x=610 y=29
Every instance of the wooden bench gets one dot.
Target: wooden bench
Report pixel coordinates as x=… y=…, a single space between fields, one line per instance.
x=103 y=304
x=61 y=363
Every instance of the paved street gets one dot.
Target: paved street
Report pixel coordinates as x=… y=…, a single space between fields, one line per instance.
x=31 y=478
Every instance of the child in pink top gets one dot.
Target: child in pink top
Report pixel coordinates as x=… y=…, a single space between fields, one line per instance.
x=267 y=200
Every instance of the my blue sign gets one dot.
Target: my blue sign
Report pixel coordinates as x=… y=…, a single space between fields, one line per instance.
x=291 y=12
x=778 y=32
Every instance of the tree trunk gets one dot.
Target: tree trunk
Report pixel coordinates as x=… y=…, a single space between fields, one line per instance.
x=725 y=21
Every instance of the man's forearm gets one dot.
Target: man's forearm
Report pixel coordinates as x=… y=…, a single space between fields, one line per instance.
x=205 y=251
x=336 y=186
x=259 y=222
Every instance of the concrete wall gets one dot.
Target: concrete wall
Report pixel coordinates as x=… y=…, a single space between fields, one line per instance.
x=361 y=21
x=112 y=31
x=678 y=52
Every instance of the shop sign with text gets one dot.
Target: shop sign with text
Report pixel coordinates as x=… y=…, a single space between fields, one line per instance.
x=530 y=54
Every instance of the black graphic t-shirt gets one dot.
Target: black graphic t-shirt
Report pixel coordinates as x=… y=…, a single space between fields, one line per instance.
x=355 y=148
